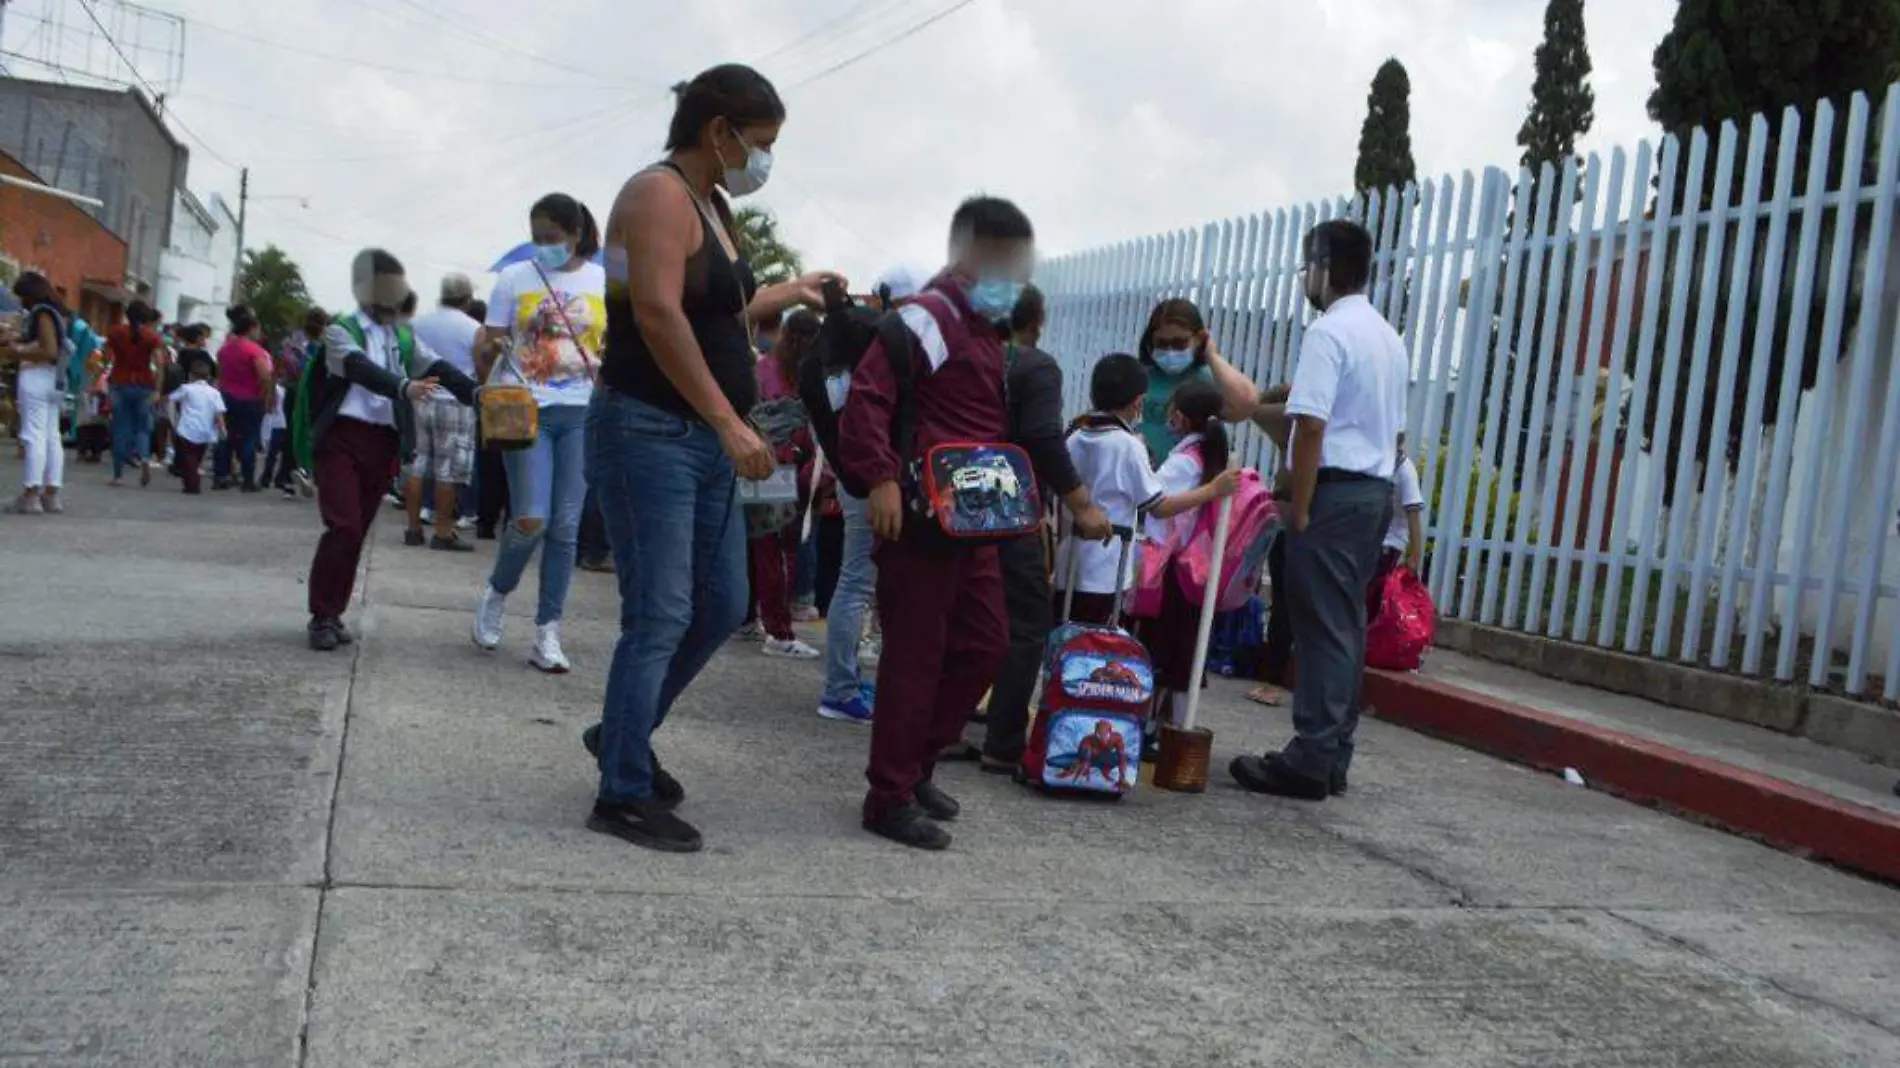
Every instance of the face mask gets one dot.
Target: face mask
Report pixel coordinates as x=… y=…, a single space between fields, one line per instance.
x=765 y=344
x=994 y=298
x=552 y=257
x=751 y=178
x=1174 y=361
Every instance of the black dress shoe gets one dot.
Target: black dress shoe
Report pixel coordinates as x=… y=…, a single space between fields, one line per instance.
x=908 y=825
x=645 y=824
x=413 y=539
x=484 y=532
x=450 y=544
x=343 y=635
x=667 y=790
x=936 y=804
x=1270 y=775
x=323 y=637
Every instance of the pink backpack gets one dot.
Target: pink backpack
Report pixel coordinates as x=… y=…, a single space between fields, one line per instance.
x=1249 y=530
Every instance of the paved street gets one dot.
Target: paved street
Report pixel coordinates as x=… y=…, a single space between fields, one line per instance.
x=218 y=848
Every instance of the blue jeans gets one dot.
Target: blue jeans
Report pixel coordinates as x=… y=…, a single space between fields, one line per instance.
x=857 y=584
x=669 y=498
x=131 y=426
x=244 y=425
x=546 y=484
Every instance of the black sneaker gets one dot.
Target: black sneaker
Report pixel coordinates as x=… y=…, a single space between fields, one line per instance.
x=908 y=825
x=450 y=544
x=646 y=825
x=343 y=635
x=323 y=636
x=249 y=487
x=603 y=565
x=413 y=538
x=484 y=532
x=667 y=790
x=289 y=493
x=936 y=804
x=1271 y=775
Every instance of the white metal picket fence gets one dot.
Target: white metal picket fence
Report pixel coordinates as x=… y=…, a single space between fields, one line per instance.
x=1548 y=441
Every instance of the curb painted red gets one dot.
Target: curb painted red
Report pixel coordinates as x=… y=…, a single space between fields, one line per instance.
x=1773 y=810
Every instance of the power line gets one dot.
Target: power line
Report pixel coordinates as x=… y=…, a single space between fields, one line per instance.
x=478 y=36
x=820 y=28
x=304 y=50
x=905 y=34
x=158 y=98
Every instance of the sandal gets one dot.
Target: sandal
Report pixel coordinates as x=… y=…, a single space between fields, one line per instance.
x=1268 y=696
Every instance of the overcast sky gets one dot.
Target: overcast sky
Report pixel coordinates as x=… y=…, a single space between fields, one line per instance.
x=1104 y=119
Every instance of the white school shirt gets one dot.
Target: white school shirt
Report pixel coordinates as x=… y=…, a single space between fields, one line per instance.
x=379 y=347
x=1407 y=498
x=1178 y=474
x=1113 y=463
x=195 y=410
x=1352 y=375
x=275 y=418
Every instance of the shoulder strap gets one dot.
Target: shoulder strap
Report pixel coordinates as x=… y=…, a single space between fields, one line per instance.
x=560 y=309
x=901 y=353
x=406 y=347
x=353 y=328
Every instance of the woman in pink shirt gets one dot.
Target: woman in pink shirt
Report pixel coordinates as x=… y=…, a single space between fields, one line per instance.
x=250 y=389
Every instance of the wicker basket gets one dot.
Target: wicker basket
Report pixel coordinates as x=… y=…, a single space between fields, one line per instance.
x=1182 y=766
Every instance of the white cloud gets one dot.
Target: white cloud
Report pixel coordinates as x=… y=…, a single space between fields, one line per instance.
x=1106 y=119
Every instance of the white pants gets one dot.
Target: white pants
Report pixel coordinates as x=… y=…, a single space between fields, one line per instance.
x=40 y=398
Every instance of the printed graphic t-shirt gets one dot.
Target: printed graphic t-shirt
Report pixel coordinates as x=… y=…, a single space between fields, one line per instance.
x=558 y=362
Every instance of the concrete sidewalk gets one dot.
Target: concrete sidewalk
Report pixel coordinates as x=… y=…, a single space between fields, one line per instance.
x=218 y=848
x=1782 y=789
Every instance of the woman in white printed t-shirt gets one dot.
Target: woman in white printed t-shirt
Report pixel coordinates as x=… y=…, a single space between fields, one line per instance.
x=1405 y=538
x=553 y=308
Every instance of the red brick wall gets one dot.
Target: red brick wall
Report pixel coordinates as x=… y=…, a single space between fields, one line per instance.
x=56 y=237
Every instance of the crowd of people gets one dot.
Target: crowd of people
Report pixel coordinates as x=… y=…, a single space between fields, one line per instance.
x=618 y=389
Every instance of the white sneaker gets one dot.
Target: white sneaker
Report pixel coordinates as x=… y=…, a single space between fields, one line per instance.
x=547 y=649
x=870 y=651
x=489 y=619
x=752 y=632
x=465 y=524
x=789 y=649
x=428 y=515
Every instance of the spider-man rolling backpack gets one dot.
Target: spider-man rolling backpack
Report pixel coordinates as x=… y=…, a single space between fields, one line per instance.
x=1096 y=694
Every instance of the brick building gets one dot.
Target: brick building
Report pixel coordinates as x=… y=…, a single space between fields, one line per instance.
x=61 y=240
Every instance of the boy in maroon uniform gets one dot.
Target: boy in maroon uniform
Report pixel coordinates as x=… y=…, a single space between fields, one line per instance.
x=945 y=631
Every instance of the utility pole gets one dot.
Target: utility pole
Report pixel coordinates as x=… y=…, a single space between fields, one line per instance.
x=244 y=199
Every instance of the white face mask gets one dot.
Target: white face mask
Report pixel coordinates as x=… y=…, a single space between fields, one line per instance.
x=744 y=181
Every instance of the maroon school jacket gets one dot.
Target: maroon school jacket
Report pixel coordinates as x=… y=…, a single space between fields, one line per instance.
x=961 y=400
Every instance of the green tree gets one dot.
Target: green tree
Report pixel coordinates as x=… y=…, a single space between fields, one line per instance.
x=1563 y=106
x=1727 y=60
x=1385 y=141
x=272 y=284
x=1562 y=110
x=773 y=261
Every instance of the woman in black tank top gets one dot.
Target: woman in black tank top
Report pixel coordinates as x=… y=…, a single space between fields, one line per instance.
x=667 y=437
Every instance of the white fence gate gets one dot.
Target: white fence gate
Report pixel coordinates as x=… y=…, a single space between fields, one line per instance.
x=1571 y=333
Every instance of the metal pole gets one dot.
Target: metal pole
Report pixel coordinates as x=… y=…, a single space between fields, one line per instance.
x=244 y=199
x=1209 y=602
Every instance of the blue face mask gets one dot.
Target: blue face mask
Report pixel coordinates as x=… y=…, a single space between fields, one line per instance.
x=994 y=298
x=1174 y=361
x=552 y=257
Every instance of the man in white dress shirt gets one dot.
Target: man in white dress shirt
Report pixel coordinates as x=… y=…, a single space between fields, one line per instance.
x=1347 y=408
